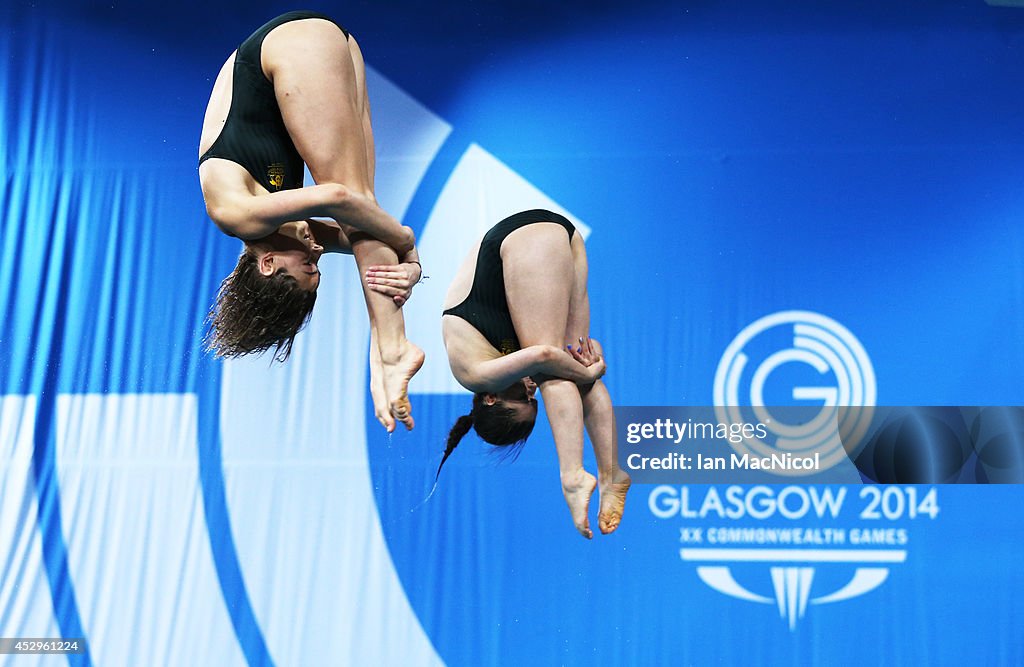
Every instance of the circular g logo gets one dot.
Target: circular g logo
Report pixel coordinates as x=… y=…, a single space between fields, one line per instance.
x=841 y=403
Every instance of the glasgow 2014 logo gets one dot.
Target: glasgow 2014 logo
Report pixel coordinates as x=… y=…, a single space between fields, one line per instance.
x=825 y=346
x=841 y=562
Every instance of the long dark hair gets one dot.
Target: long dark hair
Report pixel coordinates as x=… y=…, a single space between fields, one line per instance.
x=496 y=424
x=253 y=312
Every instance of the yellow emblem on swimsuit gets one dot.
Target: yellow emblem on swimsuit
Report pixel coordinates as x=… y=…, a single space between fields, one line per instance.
x=275 y=174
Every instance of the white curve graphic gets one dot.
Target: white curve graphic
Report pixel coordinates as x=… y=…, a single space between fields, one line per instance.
x=721 y=579
x=865 y=579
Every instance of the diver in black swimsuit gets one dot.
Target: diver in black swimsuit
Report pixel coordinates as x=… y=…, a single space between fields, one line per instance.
x=485 y=307
x=254 y=134
x=294 y=94
x=515 y=302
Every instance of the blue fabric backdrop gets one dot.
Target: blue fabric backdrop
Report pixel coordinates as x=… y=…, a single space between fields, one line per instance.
x=726 y=161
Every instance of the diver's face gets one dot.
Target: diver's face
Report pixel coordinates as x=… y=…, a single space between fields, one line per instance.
x=293 y=248
x=519 y=397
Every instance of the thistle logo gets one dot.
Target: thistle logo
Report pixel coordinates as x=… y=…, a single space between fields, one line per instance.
x=792 y=574
x=825 y=346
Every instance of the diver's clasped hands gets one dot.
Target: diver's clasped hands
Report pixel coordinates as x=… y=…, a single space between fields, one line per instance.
x=395 y=280
x=588 y=353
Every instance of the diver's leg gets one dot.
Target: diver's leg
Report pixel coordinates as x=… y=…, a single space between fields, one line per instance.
x=381 y=407
x=613 y=481
x=320 y=82
x=320 y=85
x=538 y=280
x=565 y=414
x=598 y=415
x=400 y=358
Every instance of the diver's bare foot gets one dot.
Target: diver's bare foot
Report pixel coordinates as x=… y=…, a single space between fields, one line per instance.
x=381 y=409
x=577 y=488
x=613 y=500
x=396 y=378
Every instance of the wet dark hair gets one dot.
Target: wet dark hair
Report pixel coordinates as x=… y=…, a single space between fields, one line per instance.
x=497 y=424
x=253 y=312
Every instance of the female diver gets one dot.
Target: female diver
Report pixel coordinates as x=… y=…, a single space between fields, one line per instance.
x=519 y=294
x=294 y=93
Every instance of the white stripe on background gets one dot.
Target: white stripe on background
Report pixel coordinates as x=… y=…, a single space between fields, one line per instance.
x=797 y=555
x=138 y=550
x=26 y=606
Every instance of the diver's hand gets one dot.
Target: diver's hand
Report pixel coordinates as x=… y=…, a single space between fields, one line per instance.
x=395 y=280
x=597 y=370
x=587 y=352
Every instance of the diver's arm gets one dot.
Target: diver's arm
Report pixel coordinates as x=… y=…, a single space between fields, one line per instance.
x=330 y=235
x=251 y=217
x=497 y=374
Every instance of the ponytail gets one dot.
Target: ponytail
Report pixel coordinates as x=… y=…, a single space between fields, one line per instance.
x=496 y=424
x=459 y=430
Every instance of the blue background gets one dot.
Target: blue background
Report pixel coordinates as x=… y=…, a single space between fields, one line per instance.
x=733 y=159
